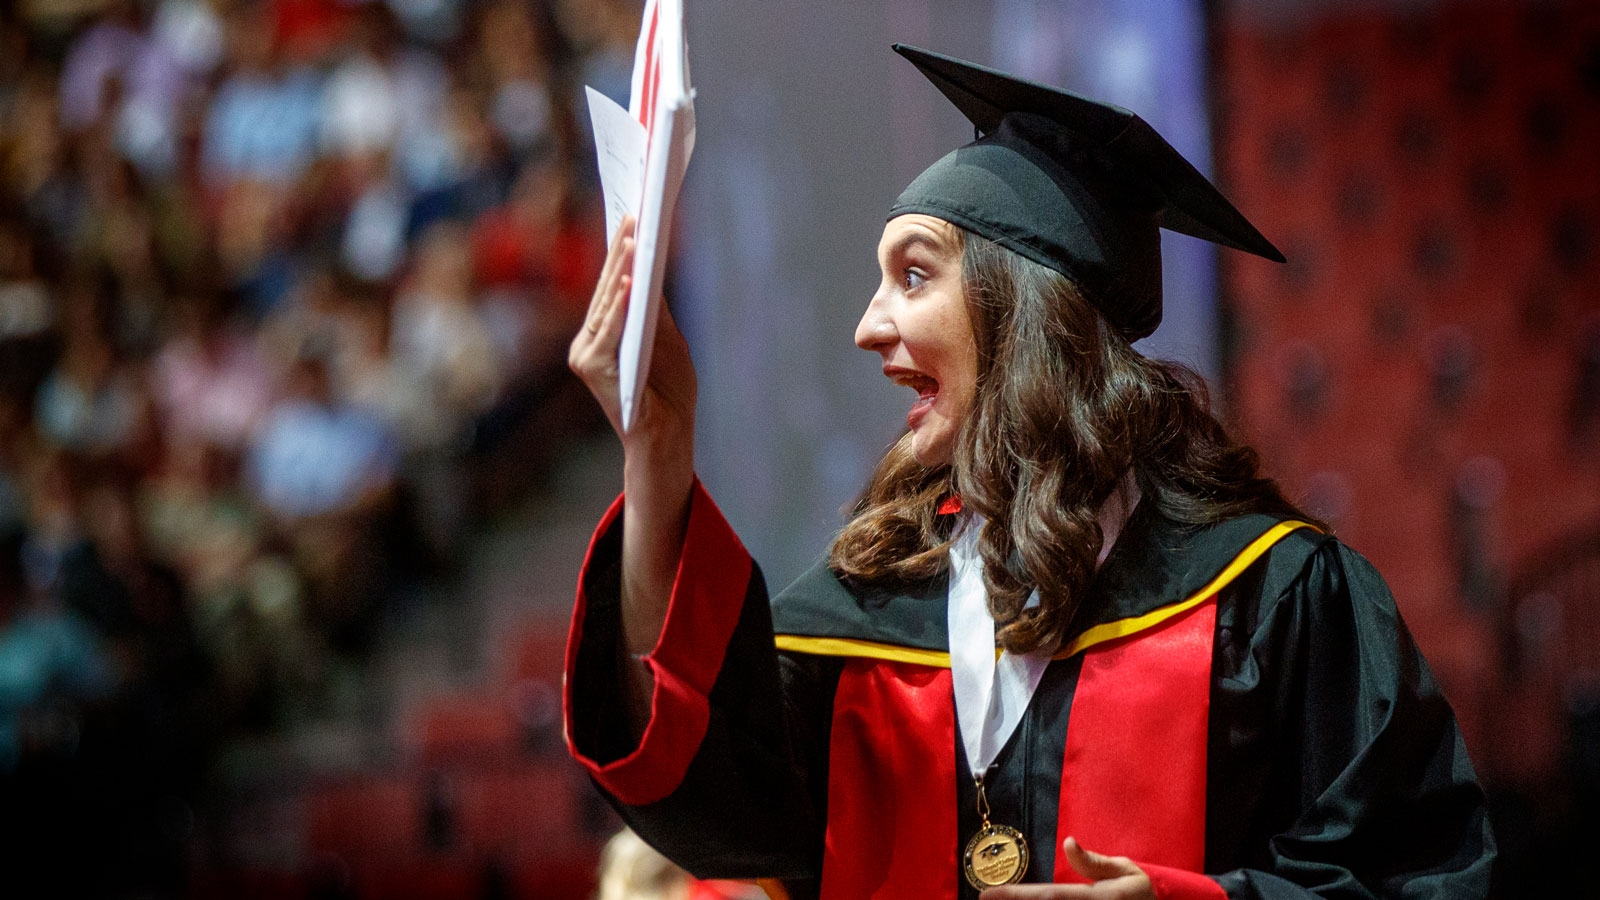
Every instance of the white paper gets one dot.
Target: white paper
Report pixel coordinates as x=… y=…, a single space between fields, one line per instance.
x=661 y=105
x=620 y=143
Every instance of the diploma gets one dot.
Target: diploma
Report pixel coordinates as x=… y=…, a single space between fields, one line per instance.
x=642 y=153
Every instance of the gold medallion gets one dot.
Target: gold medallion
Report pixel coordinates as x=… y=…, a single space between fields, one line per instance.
x=996 y=855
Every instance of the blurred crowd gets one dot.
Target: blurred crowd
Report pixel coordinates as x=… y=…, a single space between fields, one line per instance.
x=285 y=287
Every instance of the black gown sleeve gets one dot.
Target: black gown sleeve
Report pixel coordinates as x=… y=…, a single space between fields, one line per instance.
x=1338 y=769
x=750 y=803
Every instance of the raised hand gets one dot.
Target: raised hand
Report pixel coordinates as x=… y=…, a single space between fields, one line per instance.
x=658 y=471
x=666 y=411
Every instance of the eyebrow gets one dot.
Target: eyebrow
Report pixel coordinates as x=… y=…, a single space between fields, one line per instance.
x=914 y=238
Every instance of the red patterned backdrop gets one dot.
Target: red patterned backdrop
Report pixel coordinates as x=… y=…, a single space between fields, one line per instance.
x=1425 y=372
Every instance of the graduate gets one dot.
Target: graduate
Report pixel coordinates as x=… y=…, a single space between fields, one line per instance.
x=1071 y=644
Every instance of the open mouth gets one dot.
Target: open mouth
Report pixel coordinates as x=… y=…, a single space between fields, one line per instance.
x=927 y=389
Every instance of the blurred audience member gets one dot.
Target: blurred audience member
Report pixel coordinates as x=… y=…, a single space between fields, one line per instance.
x=514 y=48
x=312 y=321
x=89 y=404
x=440 y=332
x=191 y=32
x=475 y=177
x=45 y=652
x=118 y=73
x=370 y=378
x=326 y=472
x=315 y=456
x=263 y=122
x=537 y=262
x=243 y=595
x=630 y=869
x=604 y=33
x=25 y=307
x=211 y=380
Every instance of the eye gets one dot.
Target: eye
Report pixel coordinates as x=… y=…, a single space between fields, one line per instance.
x=913 y=278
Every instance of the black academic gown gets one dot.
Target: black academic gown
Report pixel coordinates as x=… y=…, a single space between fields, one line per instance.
x=1331 y=766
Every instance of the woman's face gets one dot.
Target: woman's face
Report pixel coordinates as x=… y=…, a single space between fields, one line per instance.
x=917 y=321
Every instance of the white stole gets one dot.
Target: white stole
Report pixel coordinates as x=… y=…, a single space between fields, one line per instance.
x=992 y=693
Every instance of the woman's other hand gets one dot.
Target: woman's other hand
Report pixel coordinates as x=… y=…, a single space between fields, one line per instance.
x=1113 y=877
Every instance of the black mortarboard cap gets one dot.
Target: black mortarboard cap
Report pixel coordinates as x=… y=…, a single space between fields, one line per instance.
x=1074 y=184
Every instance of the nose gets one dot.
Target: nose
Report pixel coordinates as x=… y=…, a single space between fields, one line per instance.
x=876 y=329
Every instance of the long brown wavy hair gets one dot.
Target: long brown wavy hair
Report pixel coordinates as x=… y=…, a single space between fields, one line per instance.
x=1065 y=407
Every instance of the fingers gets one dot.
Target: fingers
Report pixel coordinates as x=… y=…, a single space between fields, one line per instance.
x=602 y=325
x=592 y=355
x=619 y=261
x=615 y=295
x=1095 y=867
x=608 y=333
x=624 y=233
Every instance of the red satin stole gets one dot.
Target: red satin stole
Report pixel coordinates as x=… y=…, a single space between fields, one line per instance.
x=891 y=784
x=1133 y=779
